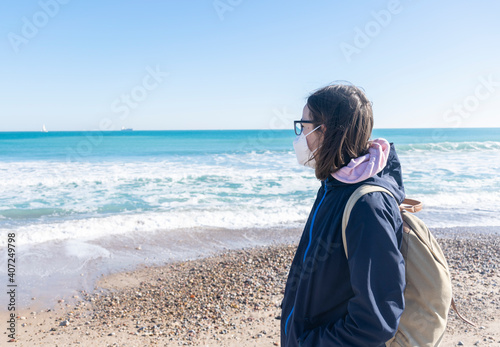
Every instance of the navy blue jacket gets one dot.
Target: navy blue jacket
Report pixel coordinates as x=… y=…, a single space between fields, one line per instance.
x=332 y=301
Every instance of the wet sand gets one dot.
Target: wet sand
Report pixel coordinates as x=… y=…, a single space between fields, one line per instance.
x=233 y=298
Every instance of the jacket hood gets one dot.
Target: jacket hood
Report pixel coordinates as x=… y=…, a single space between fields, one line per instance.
x=390 y=177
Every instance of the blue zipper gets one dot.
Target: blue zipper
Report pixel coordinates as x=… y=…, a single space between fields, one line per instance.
x=307 y=249
x=312 y=224
x=286 y=323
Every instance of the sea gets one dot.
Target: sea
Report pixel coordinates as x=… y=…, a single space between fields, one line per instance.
x=84 y=204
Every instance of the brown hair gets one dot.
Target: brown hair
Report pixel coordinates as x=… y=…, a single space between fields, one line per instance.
x=347 y=115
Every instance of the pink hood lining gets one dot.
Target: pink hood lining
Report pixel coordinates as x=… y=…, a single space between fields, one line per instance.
x=367 y=165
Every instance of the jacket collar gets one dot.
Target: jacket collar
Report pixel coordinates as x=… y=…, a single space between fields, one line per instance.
x=390 y=177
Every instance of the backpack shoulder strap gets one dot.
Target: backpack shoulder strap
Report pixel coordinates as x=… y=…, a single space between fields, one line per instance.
x=358 y=193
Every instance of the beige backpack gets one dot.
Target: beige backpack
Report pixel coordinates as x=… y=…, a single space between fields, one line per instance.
x=428 y=284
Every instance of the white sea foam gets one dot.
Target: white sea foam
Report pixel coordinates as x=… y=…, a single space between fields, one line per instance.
x=454 y=147
x=94 y=228
x=52 y=200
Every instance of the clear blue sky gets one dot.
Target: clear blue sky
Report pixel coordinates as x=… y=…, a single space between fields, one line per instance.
x=84 y=65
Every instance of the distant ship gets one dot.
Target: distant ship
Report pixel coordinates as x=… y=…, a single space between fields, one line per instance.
x=127 y=129
x=44 y=130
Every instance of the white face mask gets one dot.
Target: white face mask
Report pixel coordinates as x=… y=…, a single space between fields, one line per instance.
x=302 y=150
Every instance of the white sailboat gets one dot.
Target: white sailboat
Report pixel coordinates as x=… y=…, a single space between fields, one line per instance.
x=44 y=130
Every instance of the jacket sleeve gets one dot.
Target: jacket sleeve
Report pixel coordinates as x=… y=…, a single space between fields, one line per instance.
x=377 y=275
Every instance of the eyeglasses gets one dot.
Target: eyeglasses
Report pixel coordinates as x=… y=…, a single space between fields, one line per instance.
x=299 y=127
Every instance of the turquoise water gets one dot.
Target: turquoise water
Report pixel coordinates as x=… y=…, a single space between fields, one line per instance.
x=97 y=145
x=54 y=185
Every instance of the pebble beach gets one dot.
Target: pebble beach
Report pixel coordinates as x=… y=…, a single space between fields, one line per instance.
x=233 y=299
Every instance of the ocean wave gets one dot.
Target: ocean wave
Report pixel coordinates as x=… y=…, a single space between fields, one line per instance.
x=440 y=210
x=458 y=183
x=19 y=213
x=242 y=217
x=472 y=146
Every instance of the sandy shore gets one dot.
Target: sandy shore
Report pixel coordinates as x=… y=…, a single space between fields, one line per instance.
x=233 y=299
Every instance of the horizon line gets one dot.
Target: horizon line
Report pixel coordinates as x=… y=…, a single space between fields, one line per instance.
x=253 y=129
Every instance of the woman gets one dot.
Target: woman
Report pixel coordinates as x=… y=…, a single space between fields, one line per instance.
x=329 y=300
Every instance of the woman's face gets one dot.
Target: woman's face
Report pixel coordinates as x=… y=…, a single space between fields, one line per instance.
x=313 y=138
